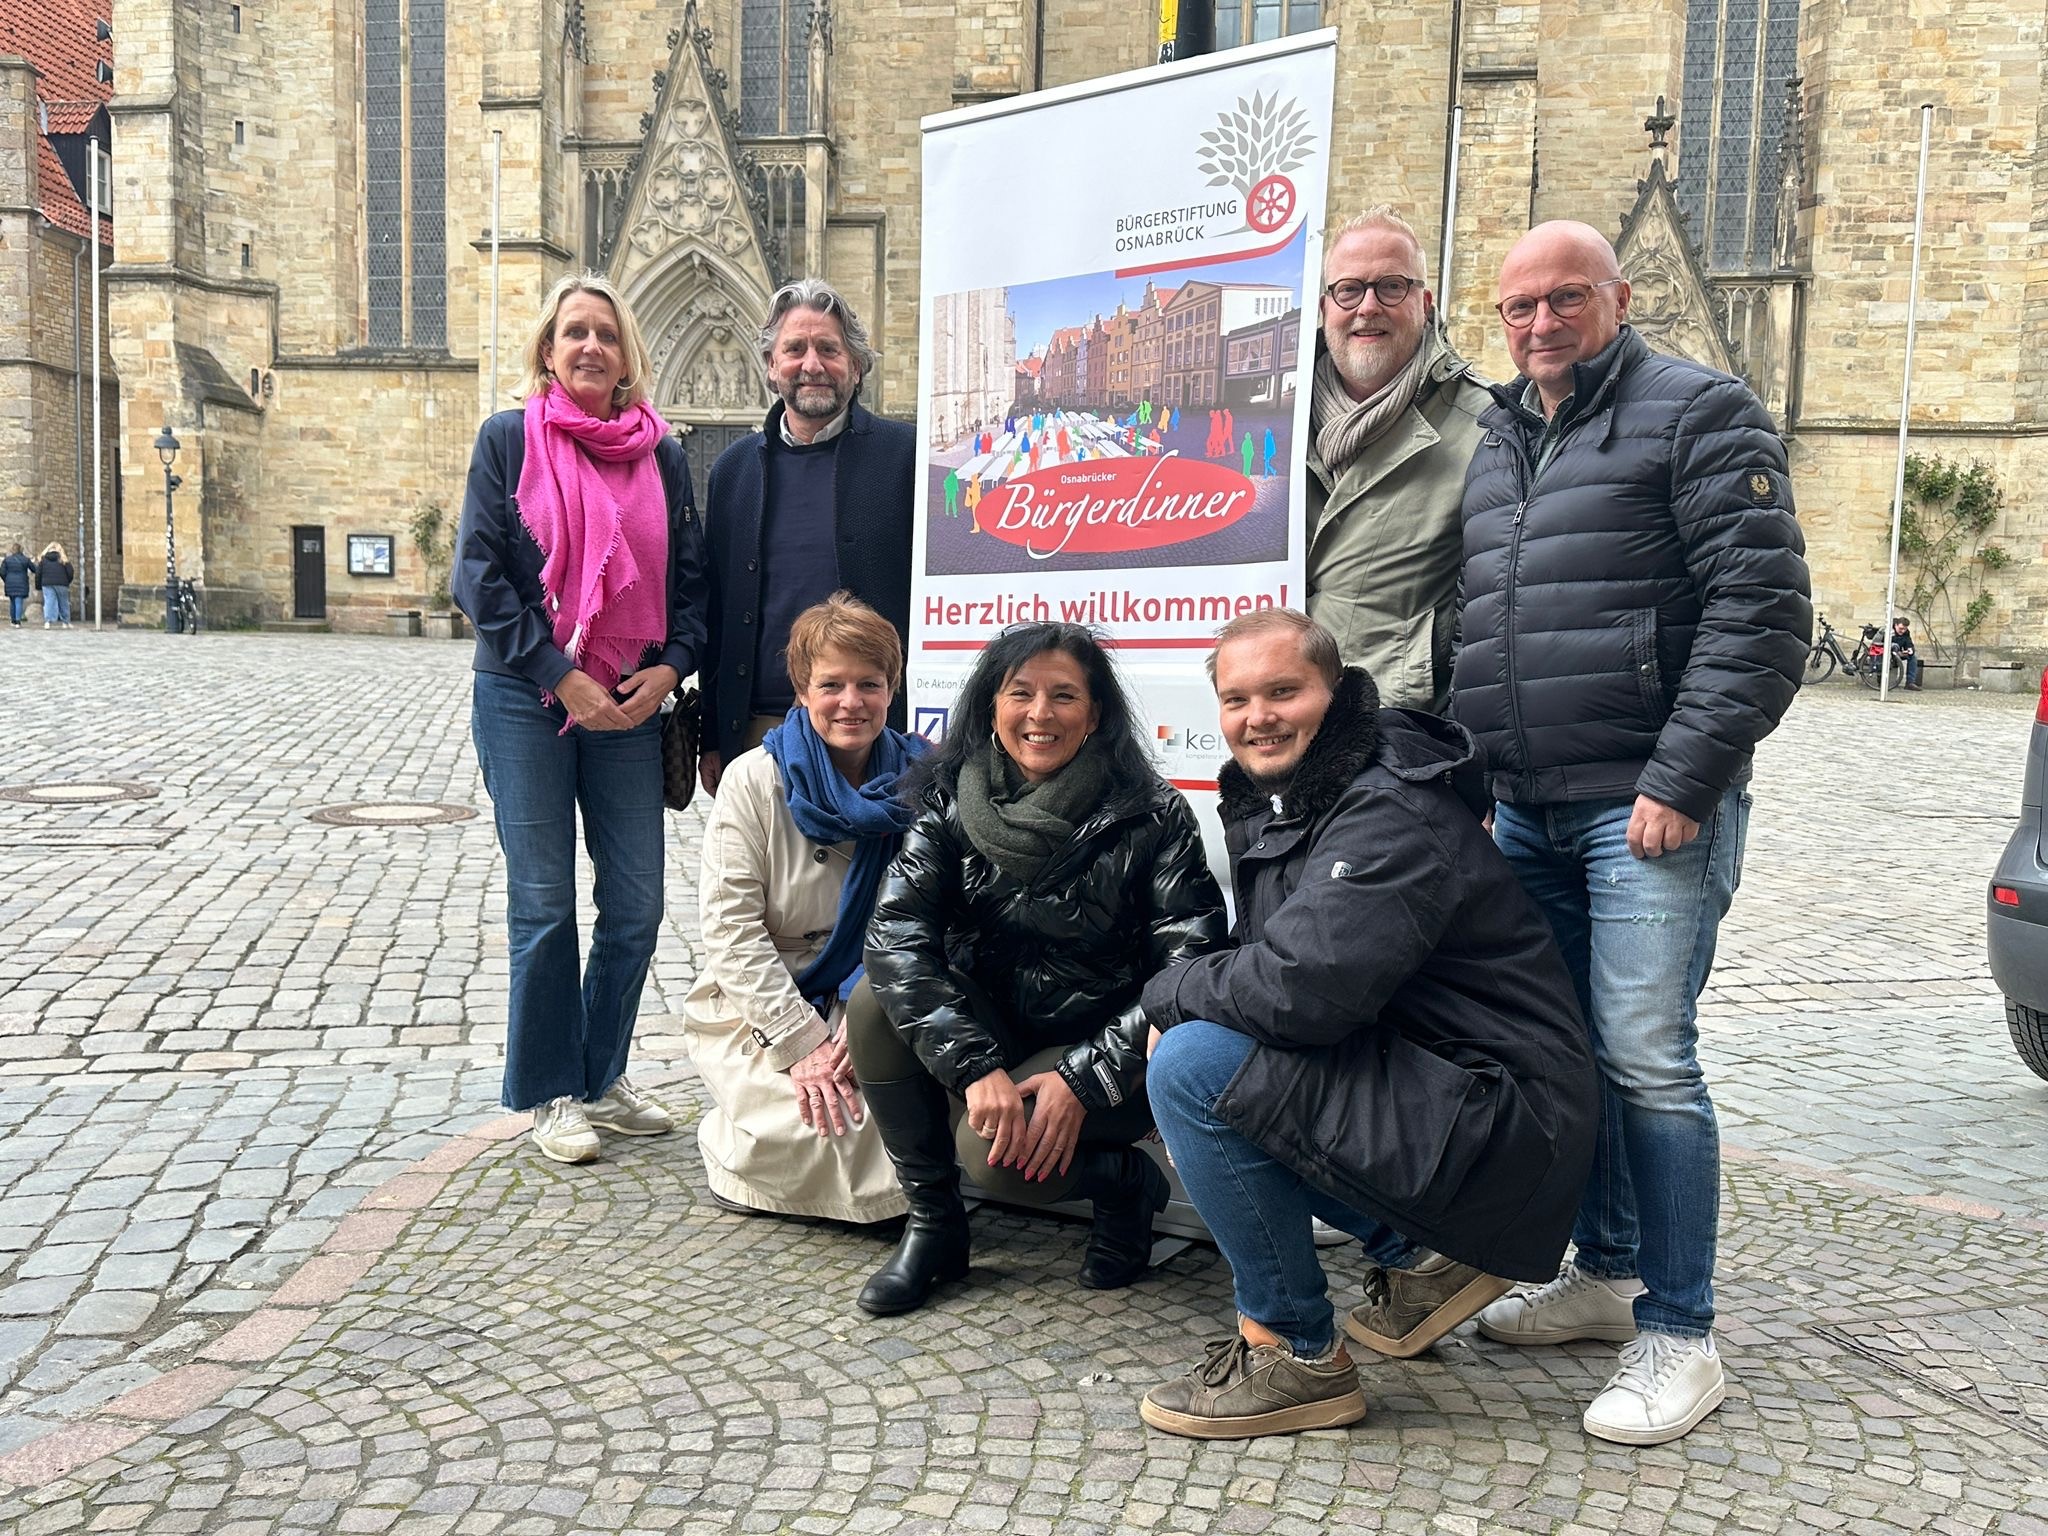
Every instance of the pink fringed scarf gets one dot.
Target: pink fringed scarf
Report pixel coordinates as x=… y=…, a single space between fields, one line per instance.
x=590 y=493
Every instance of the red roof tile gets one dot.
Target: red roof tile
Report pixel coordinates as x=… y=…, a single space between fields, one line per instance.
x=60 y=38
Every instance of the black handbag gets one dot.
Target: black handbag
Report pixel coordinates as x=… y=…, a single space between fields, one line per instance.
x=682 y=729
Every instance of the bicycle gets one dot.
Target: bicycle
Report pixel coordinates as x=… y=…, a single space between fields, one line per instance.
x=1827 y=654
x=188 y=605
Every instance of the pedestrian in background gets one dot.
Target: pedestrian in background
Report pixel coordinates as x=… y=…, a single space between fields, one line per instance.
x=53 y=576
x=794 y=852
x=16 y=571
x=580 y=561
x=1049 y=873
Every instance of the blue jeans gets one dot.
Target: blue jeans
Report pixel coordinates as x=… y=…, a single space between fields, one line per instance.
x=14 y=607
x=1638 y=939
x=56 y=605
x=1258 y=1209
x=568 y=1036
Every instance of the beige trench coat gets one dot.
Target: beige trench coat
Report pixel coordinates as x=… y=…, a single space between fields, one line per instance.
x=1385 y=539
x=766 y=902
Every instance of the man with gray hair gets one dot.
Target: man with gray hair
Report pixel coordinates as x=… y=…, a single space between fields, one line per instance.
x=818 y=501
x=1393 y=423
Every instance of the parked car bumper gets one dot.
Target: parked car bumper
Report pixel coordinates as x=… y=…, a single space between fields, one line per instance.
x=2016 y=936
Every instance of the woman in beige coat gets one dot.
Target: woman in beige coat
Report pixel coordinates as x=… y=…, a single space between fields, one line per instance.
x=794 y=851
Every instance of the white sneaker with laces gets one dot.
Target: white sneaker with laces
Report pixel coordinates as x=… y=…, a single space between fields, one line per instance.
x=1575 y=1305
x=562 y=1132
x=1667 y=1383
x=628 y=1111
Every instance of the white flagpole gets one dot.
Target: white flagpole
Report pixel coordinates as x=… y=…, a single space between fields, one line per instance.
x=1891 y=586
x=497 y=182
x=1449 y=251
x=92 y=223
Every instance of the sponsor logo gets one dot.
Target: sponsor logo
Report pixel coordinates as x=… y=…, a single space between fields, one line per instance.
x=931 y=725
x=1111 y=506
x=1178 y=738
x=1252 y=150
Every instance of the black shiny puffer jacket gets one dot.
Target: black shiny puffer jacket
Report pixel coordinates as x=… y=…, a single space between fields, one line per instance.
x=1064 y=957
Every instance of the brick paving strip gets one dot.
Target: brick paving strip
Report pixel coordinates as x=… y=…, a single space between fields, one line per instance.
x=344 y=1259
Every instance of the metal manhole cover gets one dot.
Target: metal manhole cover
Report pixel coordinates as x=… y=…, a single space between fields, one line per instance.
x=76 y=792
x=391 y=813
x=1988 y=1360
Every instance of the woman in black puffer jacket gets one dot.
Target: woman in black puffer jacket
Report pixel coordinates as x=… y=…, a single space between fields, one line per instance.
x=1049 y=875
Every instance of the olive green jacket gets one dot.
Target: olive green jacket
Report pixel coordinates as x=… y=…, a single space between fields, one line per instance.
x=1384 y=543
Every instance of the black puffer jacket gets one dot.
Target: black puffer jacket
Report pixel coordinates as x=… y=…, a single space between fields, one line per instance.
x=1635 y=617
x=1420 y=1054
x=1064 y=957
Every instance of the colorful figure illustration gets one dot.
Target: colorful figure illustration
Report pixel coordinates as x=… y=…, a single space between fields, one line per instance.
x=1173 y=422
x=1271 y=448
x=1246 y=455
x=953 y=484
x=974 y=501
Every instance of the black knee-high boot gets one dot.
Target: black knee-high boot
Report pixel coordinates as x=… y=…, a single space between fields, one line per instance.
x=911 y=1114
x=1128 y=1190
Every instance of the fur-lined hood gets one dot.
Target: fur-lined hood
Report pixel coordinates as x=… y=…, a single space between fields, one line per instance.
x=1355 y=733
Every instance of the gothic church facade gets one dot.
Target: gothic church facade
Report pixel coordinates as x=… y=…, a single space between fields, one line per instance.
x=311 y=200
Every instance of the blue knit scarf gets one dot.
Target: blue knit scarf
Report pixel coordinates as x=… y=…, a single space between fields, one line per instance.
x=827 y=809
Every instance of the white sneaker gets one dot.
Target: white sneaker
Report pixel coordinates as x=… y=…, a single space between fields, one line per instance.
x=1666 y=1385
x=562 y=1132
x=1575 y=1305
x=628 y=1111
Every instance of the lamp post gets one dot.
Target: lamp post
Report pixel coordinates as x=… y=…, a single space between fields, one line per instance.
x=167 y=450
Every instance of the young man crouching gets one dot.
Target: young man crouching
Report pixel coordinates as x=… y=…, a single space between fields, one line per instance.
x=1393 y=1042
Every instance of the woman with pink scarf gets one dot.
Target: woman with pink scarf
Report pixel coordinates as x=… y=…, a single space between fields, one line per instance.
x=580 y=560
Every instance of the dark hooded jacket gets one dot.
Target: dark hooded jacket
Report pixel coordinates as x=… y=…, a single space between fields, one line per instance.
x=1420 y=1051
x=1064 y=957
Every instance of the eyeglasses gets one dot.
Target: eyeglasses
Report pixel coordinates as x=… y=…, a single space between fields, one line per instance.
x=1519 y=310
x=1391 y=290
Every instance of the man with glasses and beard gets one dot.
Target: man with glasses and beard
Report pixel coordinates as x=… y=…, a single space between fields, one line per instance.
x=1393 y=421
x=819 y=501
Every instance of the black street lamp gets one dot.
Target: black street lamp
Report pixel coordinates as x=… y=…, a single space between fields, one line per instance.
x=167 y=450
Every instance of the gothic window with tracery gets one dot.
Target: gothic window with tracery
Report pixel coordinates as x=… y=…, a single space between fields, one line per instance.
x=1739 y=57
x=774 y=67
x=404 y=174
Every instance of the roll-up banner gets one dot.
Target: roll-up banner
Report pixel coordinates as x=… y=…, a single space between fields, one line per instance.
x=1114 y=363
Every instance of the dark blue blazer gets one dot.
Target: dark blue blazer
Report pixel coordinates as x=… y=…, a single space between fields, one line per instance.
x=496 y=576
x=873 y=479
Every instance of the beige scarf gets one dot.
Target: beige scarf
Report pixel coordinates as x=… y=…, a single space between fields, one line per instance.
x=1344 y=427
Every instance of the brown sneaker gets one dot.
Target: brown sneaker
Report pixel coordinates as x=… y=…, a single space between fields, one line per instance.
x=1407 y=1310
x=1244 y=1389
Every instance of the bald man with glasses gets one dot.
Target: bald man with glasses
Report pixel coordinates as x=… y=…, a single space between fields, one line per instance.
x=1393 y=422
x=1636 y=612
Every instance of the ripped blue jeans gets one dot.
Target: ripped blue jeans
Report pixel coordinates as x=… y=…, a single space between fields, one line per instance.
x=1638 y=939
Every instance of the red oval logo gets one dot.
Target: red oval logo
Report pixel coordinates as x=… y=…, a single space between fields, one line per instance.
x=1106 y=506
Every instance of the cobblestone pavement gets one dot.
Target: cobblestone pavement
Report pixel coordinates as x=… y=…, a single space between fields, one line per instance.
x=271 y=1261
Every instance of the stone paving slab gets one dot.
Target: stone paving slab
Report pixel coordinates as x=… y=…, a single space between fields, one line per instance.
x=237 y=1048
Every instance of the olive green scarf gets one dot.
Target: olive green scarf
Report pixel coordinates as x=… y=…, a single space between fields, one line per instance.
x=1017 y=825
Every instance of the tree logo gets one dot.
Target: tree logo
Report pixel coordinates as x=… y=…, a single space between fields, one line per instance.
x=1253 y=149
